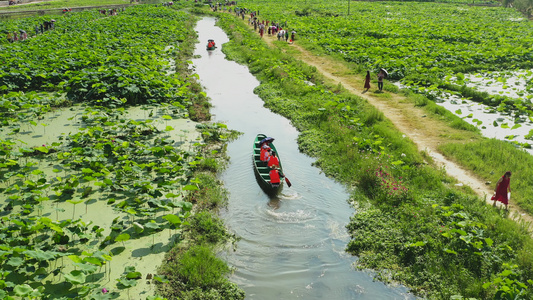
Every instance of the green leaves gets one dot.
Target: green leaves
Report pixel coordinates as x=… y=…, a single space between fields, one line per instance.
x=108 y=163
x=122 y=237
x=76 y=277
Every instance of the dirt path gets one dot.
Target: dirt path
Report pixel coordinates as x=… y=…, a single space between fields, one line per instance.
x=425 y=131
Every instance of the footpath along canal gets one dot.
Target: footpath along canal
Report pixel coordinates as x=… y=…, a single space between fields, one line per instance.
x=292 y=246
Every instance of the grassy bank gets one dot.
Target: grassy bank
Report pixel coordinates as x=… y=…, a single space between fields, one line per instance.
x=192 y=269
x=411 y=222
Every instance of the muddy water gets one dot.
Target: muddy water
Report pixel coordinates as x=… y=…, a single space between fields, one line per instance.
x=292 y=245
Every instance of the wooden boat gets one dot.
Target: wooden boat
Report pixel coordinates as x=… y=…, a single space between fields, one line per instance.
x=212 y=47
x=262 y=172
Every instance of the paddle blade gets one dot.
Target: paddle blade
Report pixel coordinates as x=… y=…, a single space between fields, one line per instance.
x=288 y=181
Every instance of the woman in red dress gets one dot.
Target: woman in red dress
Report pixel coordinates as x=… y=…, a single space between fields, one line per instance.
x=367 y=81
x=502 y=188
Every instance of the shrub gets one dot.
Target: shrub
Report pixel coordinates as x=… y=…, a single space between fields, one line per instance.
x=205 y=227
x=373 y=116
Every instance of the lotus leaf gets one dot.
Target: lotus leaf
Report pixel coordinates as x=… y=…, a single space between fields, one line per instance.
x=173 y=219
x=122 y=237
x=126 y=283
x=40 y=254
x=86 y=268
x=15 y=261
x=23 y=290
x=75 y=277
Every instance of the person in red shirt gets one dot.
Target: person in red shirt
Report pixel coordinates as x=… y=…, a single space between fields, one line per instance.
x=273 y=161
x=275 y=177
x=264 y=154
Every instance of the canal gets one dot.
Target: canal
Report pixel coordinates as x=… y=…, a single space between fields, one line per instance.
x=292 y=246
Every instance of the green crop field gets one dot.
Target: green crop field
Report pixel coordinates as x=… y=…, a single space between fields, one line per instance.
x=420 y=43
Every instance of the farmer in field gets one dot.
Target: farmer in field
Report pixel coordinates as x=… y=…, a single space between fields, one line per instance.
x=502 y=188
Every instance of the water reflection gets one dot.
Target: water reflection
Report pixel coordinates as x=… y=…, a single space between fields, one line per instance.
x=292 y=245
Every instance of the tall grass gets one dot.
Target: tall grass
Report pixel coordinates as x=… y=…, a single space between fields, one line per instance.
x=491 y=158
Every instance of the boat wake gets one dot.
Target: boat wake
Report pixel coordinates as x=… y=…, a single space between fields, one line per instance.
x=298 y=216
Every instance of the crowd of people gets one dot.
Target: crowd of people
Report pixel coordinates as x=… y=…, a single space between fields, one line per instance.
x=22 y=35
x=17 y=36
x=166 y=4
x=112 y=12
x=278 y=29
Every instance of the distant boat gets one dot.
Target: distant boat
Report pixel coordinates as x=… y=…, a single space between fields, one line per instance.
x=211 y=44
x=262 y=172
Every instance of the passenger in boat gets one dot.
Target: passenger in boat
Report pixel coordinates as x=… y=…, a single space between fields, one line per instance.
x=265 y=152
x=503 y=186
x=275 y=177
x=273 y=161
x=211 y=44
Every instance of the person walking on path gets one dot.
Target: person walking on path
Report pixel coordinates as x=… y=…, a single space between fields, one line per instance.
x=502 y=188
x=367 y=82
x=381 y=75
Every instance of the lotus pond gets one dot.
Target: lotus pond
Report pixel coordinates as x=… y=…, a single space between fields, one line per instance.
x=97 y=153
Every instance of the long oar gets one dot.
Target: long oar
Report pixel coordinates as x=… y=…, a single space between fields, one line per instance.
x=288 y=181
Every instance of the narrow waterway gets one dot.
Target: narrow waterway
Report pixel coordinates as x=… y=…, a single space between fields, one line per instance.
x=291 y=246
